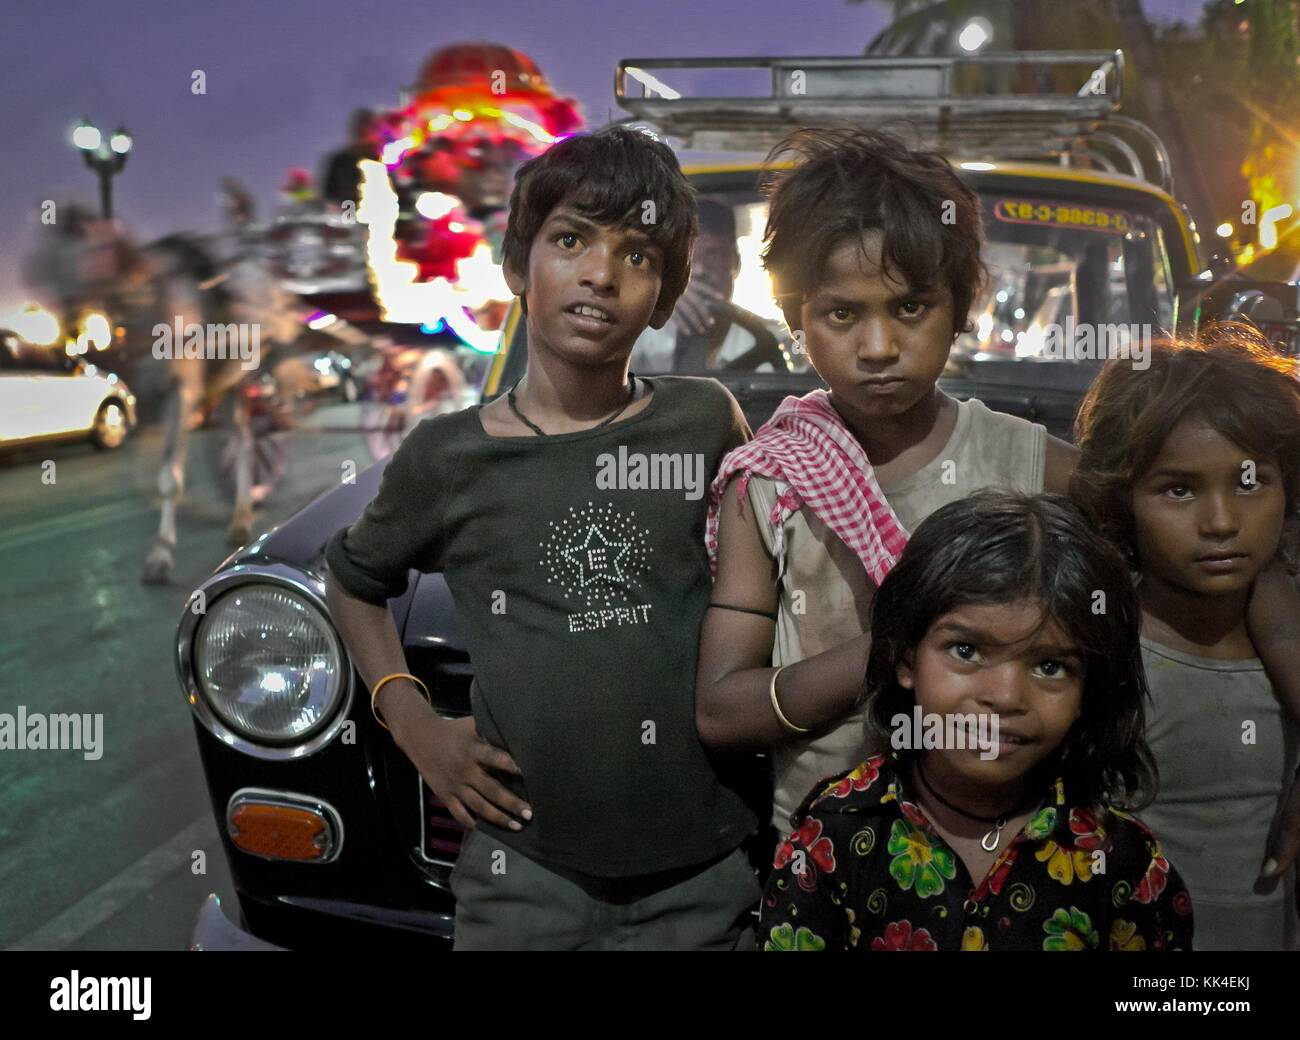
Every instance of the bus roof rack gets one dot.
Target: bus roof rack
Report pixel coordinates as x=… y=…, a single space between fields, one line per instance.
x=1023 y=105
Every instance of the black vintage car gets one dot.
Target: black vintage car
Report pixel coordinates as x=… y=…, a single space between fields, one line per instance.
x=330 y=832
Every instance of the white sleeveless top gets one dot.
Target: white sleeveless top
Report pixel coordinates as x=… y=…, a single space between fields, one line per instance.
x=825 y=593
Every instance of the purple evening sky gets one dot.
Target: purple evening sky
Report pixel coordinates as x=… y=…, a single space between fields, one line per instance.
x=282 y=77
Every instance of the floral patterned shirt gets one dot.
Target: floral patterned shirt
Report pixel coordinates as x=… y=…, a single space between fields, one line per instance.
x=867 y=870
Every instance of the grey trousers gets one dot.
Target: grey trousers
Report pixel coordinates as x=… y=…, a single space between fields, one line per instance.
x=506 y=901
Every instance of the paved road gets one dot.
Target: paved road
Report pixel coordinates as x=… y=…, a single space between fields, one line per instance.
x=101 y=854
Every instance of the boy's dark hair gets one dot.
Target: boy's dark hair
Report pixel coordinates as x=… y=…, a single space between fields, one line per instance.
x=998 y=547
x=847 y=182
x=608 y=176
x=1230 y=378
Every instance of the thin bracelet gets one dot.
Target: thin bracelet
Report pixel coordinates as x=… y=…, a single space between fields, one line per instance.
x=745 y=610
x=374 y=693
x=776 y=707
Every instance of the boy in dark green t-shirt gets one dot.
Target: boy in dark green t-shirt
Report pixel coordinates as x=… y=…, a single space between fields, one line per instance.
x=568 y=520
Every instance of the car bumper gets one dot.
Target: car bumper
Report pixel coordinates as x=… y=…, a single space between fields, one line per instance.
x=214 y=931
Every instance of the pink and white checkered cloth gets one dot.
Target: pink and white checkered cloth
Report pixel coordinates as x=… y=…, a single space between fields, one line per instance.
x=806 y=445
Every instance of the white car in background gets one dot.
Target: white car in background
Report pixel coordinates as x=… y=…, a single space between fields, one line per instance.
x=45 y=395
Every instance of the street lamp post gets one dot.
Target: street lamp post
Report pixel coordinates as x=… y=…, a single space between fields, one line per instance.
x=106 y=159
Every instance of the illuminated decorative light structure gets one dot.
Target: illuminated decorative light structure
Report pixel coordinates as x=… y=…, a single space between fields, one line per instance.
x=467 y=94
x=397 y=289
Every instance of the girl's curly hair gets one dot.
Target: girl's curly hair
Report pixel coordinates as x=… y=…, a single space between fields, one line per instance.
x=1230 y=378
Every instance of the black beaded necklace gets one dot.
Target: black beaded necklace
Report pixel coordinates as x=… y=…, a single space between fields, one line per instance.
x=510 y=398
x=990 y=840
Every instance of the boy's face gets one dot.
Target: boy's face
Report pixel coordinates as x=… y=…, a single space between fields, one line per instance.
x=994 y=659
x=1208 y=516
x=591 y=288
x=880 y=347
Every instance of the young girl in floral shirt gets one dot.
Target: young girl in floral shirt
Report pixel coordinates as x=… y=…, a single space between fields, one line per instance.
x=1006 y=615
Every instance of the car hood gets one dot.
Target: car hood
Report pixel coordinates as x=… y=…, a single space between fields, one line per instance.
x=301 y=539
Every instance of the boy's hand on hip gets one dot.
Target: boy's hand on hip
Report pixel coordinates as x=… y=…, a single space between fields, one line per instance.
x=456 y=763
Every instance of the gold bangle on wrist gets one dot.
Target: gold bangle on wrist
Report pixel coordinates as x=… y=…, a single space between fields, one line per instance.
x=776 y=707
x=374 y=693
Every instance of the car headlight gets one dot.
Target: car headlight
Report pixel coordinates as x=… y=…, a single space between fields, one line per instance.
x=269 y=664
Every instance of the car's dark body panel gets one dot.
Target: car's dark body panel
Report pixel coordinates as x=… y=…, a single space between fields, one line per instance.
x=377 y=884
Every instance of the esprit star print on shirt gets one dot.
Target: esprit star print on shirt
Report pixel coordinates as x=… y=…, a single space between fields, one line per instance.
x=597 y=555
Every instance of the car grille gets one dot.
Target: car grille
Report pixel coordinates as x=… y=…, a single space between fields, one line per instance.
x=447 y=676
x=440 y=834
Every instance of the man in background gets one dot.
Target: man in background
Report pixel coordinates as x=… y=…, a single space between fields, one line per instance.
x=708 y=330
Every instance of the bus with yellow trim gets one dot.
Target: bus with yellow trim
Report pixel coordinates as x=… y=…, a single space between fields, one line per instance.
x=1089 y=252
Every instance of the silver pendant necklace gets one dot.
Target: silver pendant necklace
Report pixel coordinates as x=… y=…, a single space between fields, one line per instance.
x=993 y=837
